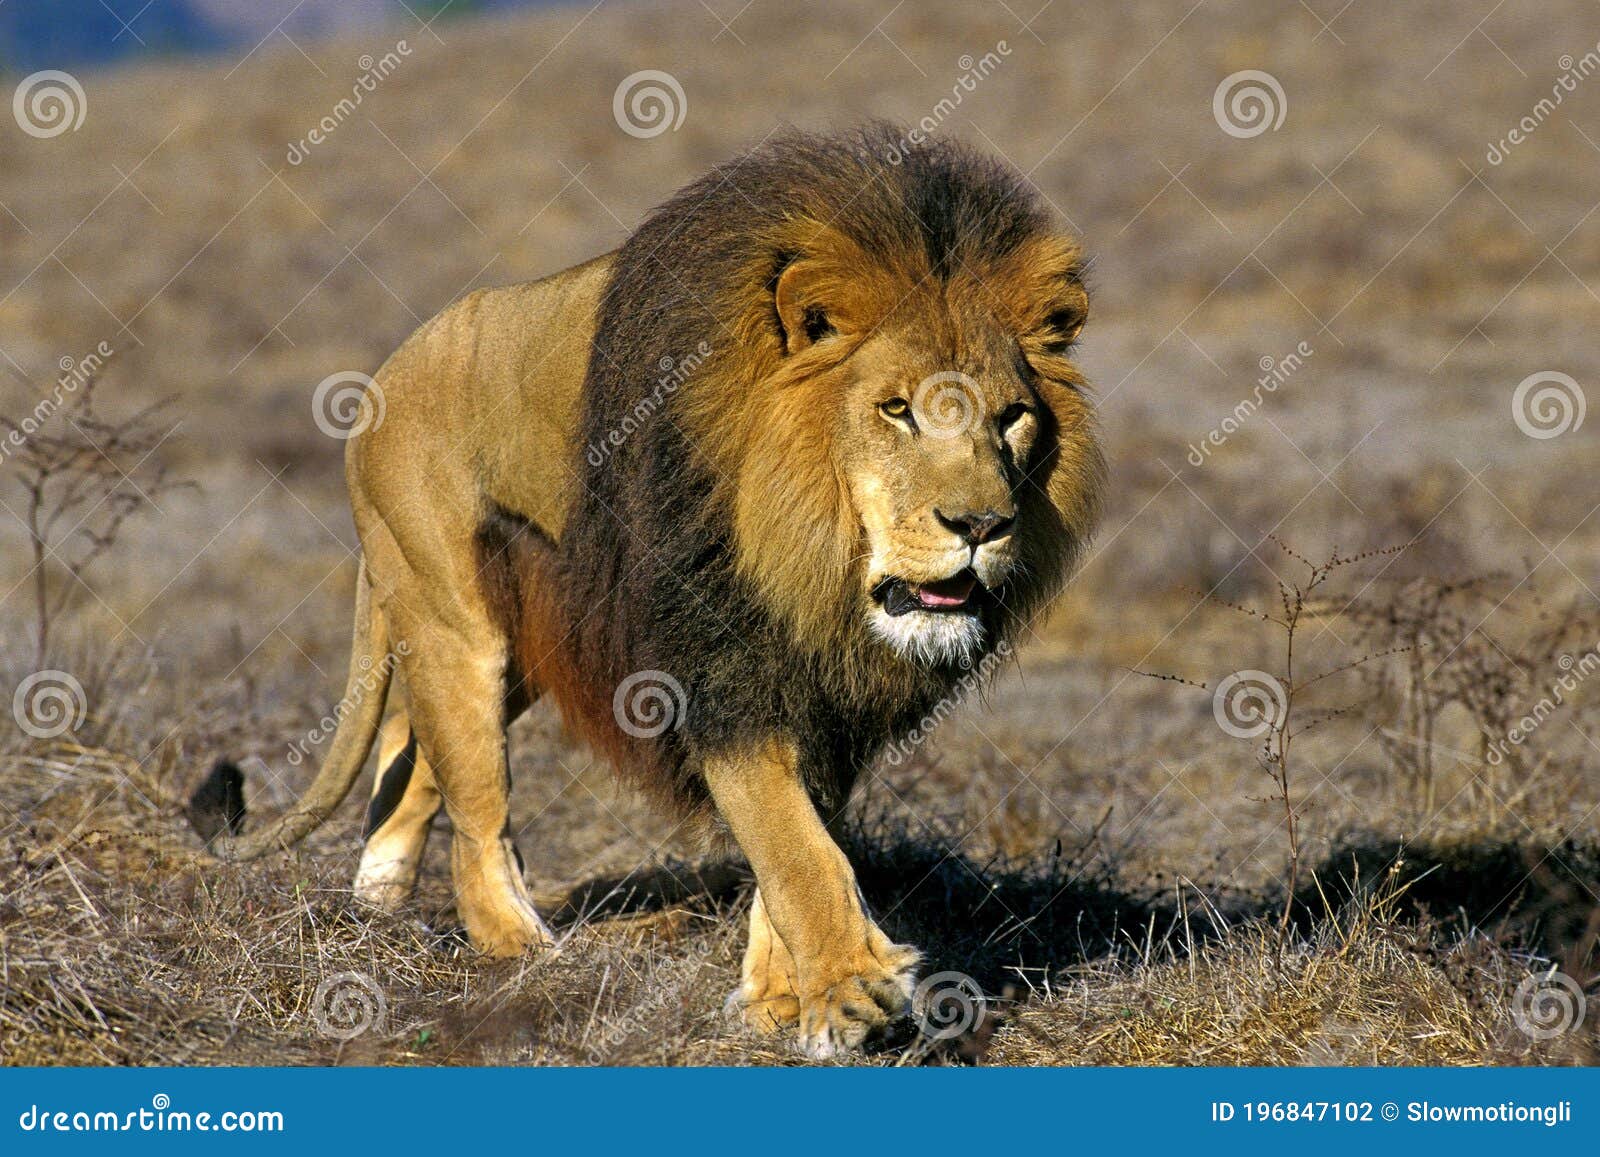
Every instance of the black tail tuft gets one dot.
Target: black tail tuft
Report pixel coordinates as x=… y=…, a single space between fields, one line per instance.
x=217 y=806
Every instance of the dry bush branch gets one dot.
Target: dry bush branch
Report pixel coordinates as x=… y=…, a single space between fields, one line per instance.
x=77 y=490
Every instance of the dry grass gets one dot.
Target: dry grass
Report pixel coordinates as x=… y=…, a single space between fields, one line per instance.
x=1087 y=845
x=124 y=944
x=1363 y=999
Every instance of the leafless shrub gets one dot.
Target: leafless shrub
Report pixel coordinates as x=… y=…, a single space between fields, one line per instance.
x=1273 y=705
x=77 y=490
x=1449 y=656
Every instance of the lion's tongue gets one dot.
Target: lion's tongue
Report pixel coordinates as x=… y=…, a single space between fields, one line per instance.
x=946 y=593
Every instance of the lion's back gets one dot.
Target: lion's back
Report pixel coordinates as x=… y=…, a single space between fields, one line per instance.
x=491 y=384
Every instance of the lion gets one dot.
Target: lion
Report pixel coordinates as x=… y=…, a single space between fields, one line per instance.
x=746 y=498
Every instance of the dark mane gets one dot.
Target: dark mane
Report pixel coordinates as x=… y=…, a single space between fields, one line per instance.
x=647 y=577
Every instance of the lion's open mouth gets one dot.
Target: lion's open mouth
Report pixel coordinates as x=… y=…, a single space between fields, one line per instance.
x=959 y=592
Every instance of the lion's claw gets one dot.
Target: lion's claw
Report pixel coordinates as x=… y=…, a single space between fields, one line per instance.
x=842 y=1016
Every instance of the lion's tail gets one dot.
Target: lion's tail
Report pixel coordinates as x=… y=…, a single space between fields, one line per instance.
x=217 y=806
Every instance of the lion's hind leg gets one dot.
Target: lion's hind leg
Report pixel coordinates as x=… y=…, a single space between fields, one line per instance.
x=405 y=800
x=457 y=687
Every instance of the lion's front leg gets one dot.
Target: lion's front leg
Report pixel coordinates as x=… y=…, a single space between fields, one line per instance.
x=849 y=979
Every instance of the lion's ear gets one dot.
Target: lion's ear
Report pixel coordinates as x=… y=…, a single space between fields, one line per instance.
x=1042 y=282
x=1068 y=312
x=801 y=298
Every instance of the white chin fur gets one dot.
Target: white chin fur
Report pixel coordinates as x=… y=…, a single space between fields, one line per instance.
x=928 y=637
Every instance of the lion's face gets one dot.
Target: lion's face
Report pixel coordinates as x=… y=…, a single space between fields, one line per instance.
x=933 y=446
x=918 y=465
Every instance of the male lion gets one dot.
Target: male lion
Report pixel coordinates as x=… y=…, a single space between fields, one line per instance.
x=792 y=460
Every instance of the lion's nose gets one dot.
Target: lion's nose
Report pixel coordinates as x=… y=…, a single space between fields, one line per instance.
x=977 y=528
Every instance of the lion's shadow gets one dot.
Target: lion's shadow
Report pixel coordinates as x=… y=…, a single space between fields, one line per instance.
x=1014 y=927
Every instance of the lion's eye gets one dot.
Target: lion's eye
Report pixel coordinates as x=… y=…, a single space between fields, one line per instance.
x=897 y=408
x=1010 y=416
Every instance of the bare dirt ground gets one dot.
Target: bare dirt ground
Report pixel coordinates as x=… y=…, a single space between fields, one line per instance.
x=1101 y=857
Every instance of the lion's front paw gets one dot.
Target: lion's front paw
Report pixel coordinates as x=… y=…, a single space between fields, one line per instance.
x=842 y=1015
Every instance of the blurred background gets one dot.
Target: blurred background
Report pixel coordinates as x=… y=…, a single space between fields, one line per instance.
x=1346 y=284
